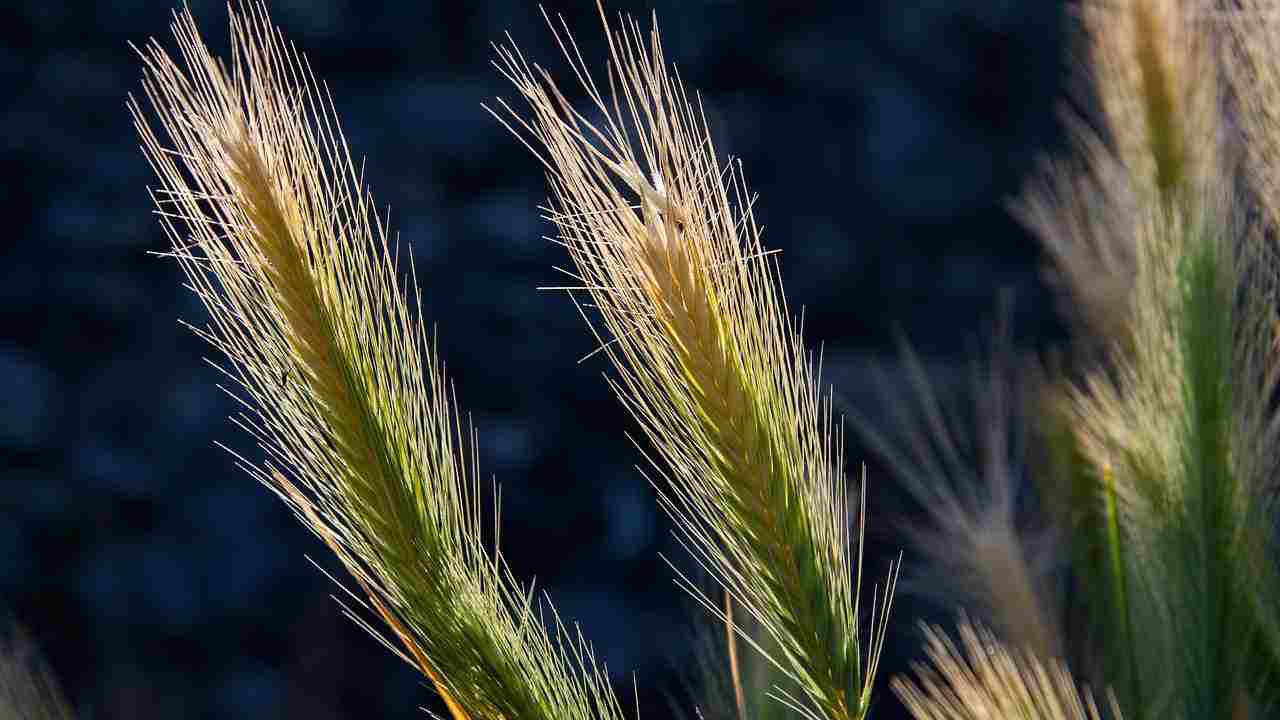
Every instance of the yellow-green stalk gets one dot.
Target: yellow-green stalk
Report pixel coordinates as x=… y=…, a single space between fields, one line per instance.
x=359 y=431
x=732 y=681
x=709 y=363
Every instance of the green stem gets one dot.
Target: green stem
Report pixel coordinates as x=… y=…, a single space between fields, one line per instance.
x=1121 y=588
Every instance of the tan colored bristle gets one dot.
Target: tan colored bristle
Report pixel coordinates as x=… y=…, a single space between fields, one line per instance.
x=983 y=679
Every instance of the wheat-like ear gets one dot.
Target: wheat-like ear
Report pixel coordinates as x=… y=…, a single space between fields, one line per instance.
x=983 y=679
x=358 y=427
x=665 y=243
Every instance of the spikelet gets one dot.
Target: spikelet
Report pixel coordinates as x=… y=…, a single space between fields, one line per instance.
x=983 y=679
x=360 y=434
x=664 y=242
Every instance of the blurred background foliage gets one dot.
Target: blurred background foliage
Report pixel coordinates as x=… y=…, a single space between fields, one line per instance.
x=883 y=137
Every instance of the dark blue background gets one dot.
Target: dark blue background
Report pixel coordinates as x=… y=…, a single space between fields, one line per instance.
x=883 y=138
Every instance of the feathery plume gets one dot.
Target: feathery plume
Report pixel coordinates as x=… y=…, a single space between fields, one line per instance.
x=664 y=241
x=982 y=678
x=960 y=454
x=1083 y=210
x=1161 y=448
x=1167 y=444
x=361 y=436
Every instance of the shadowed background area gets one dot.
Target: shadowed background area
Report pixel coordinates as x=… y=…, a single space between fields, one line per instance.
x=883 y=137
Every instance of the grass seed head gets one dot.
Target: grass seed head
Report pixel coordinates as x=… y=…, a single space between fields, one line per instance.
x=665 y=244
x=271 y=223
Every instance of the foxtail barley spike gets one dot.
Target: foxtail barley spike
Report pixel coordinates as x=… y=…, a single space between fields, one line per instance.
x=665 y=244
x=270 y=222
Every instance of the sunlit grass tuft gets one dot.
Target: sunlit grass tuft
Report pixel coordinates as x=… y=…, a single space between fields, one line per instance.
x=984 y=679
x=357 y=425
x=664 y=242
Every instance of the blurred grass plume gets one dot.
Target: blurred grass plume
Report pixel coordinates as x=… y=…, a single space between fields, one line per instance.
x=960 y=453
x=982 y=678
x=1162 y=444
